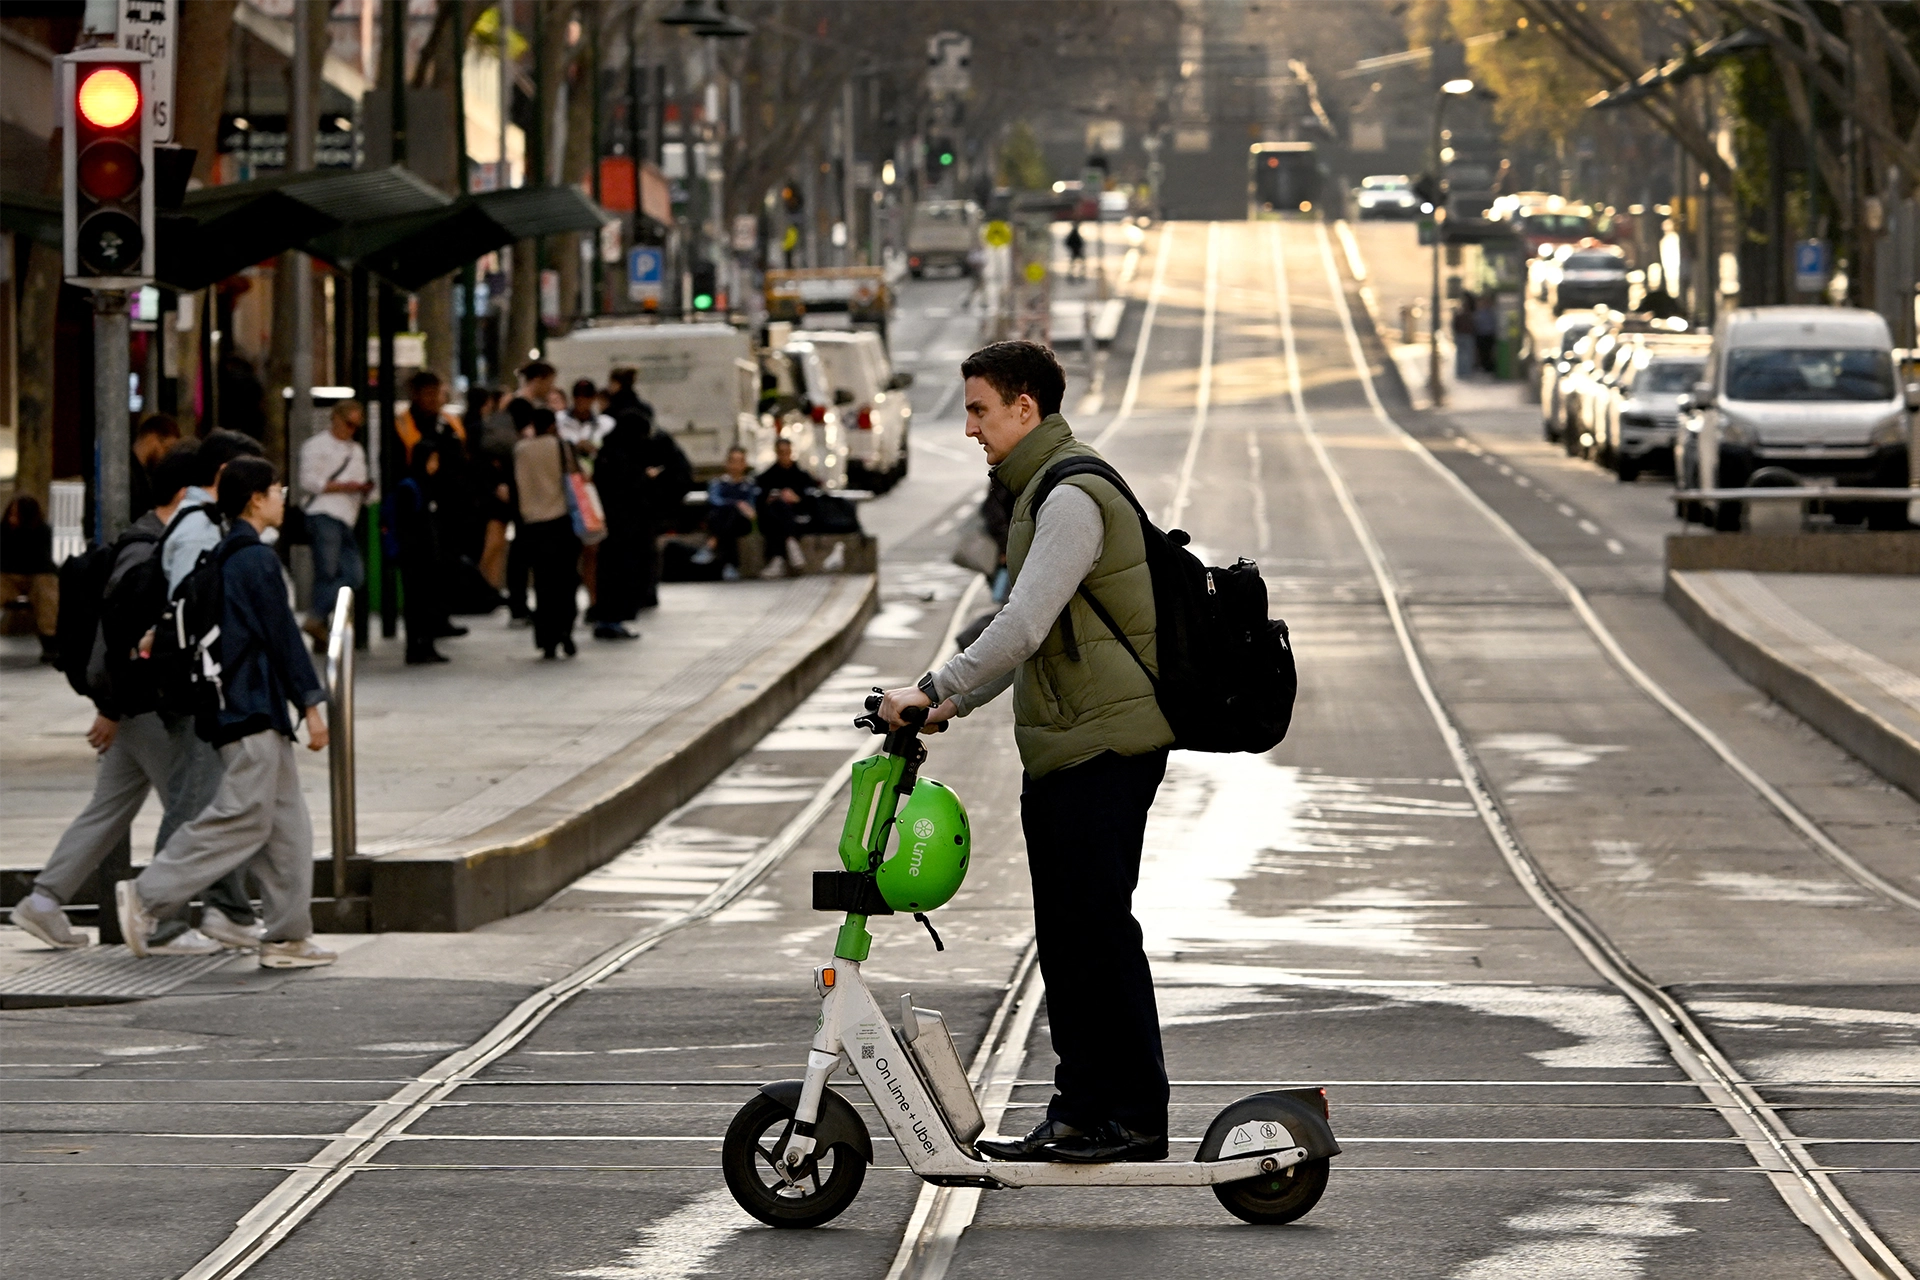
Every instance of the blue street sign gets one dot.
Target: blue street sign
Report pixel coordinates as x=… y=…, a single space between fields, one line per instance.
x=1810 y=266
x=645 y=265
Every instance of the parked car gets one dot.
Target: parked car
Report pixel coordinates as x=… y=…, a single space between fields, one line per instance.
x=1556 y=361
x=1540 y=227
x=872 y=400
x=1386 y=195
x=1643 y=412
x=1589 y=276
x=797 y=404
x=1809 y=391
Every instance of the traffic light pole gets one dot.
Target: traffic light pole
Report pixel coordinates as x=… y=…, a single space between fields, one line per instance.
x=112 y=443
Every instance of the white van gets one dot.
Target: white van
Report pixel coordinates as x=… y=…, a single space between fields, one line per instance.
x=872 y=401
x=701 y=380
x=1808 y=390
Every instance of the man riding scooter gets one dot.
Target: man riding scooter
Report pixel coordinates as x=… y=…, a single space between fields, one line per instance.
x=1093 y=745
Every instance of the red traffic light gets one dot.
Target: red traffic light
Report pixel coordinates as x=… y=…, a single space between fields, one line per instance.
x=109 y=98
x=109 y=170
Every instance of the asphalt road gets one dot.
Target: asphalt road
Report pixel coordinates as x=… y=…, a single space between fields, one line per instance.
x=1351 y=910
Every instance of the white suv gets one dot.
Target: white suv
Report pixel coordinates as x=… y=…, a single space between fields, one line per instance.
x=873 y=405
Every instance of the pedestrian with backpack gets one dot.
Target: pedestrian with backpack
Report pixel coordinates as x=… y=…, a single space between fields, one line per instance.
x=141 y=749
x=1118 y=645
x=202 y=528
x=254 y=665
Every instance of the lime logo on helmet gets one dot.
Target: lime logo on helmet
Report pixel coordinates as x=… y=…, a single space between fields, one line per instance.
x=923 y=829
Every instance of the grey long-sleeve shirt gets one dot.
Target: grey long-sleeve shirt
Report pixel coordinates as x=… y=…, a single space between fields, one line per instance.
x=1069 y=535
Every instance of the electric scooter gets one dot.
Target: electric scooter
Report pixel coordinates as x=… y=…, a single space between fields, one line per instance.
x=796 y=1154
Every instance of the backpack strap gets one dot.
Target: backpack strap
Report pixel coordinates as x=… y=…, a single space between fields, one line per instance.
x=1100 y=612
x=179 y=517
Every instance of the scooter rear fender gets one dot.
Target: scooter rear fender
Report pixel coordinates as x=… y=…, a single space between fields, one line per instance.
x=1296 y=1113
x=839 y=1123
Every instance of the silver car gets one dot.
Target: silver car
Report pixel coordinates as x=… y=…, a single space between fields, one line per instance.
x=1643 y=412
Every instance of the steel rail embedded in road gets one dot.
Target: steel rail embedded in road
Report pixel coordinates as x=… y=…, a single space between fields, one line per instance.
x=1805 y=1188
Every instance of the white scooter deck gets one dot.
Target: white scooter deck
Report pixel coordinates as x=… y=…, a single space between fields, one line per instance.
x=853 y=1031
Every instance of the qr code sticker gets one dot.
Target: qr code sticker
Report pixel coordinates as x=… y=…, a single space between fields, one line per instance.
x=866 y=1051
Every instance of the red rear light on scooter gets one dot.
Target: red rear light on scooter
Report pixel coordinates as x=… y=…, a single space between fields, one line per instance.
x=1326 y=1111
x=866 y=419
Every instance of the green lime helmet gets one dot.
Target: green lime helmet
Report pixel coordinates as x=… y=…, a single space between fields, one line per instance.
x=929 y=859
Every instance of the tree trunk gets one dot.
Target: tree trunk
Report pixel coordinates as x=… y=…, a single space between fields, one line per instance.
x=206 y=35
x=523 y=310
x=39 y=300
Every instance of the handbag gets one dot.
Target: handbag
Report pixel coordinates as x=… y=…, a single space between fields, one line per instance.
x=976 y=548
x=583 y=501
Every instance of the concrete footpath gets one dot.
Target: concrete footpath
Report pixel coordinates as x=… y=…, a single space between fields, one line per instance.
x=489 y=783
x=1842 y=651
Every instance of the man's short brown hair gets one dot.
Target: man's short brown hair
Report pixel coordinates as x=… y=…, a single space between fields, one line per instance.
x=1019 y=368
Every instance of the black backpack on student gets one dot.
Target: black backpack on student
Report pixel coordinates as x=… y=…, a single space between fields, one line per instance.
x=83 y=589
x=188 y=674
x=132 y=607
x=1226 y=679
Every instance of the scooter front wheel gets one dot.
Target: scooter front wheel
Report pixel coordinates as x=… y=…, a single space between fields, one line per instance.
x=1273 y=1198
x=754 y=1154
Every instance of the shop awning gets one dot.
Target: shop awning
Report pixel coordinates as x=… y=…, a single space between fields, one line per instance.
x=219 y=231
x=412 y=249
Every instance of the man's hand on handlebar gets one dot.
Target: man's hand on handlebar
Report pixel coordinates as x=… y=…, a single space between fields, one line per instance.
x=896 y=702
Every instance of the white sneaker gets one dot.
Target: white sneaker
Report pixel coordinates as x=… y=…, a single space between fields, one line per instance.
x=794 y=552
x=136 y=922
x=300 y=953
x=191 y=943
x=50 y=927
x=836 y=559
x=776 y=568
x=231 y=933
x=729 y=574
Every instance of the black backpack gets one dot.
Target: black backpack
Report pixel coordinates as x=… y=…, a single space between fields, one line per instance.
x=133 y=606
x=188 y=675
x=83 y=590
x=1226 y=679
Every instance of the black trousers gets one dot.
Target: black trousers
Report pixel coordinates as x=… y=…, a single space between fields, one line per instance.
x=1084 y=826
x=554 y=557
x=519 y=563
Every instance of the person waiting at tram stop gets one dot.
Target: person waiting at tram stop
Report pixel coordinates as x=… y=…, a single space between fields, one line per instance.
x=789 y=494
x=732 y=507
x=1093 y=748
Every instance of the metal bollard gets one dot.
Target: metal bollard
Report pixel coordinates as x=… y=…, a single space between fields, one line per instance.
x=340 y=653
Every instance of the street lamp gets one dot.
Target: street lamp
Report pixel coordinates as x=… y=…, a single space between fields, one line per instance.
x=1436 y=390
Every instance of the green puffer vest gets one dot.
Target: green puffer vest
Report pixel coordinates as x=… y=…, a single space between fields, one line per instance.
x=1066 y=712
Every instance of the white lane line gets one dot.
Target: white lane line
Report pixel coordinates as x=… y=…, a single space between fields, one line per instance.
x=1567 y=511
x=1132 y=393
x=1588 y=526
x=1806 y=1189
x=1203 y=393
x=942 y=1214
x=1613 y=545
x=1262 y=529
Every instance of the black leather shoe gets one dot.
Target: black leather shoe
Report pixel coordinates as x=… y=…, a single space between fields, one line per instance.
x=1031 y=1147
x=426 y=657
x=1109 y=1143
x=449 y=631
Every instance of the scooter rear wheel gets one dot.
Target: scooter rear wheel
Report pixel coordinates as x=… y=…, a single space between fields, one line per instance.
x=1273 y=1198
x=753 y=1155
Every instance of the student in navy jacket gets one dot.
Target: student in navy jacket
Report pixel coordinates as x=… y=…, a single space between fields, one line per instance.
x=258 y=818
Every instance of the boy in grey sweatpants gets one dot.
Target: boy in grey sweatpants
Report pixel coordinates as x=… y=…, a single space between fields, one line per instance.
x=258 y=817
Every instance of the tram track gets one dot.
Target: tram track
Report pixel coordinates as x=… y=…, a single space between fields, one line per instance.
x=1807 y=1190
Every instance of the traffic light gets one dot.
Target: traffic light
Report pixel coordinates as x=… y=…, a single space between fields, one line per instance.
x=940 y=157
x=107 y=167
x=705 y=286
x=1426 y=189
x=791 y=197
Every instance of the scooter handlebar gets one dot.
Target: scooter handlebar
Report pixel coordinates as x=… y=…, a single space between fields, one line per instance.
x=915 y=717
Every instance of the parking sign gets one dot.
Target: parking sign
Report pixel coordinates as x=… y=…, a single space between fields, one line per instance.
x=1810 y=266
x=645 y=263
